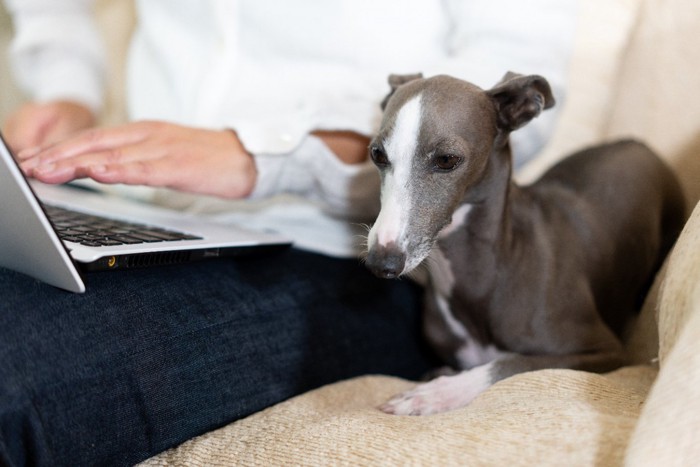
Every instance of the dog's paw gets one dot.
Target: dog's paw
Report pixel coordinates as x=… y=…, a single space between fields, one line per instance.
x=441 y=394
x=415 y=402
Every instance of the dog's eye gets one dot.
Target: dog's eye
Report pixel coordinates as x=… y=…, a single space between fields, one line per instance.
x=446 y=162
x=378 y=156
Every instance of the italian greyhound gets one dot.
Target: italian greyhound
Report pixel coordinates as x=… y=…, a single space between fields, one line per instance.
x=521 y=278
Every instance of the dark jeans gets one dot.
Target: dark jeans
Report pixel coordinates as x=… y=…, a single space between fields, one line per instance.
x=147 y=359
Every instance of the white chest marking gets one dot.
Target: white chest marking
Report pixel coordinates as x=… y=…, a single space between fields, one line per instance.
x=470 y=354
x=459 y=218
x=442 y=278
x=400 y=147
x=442 y=281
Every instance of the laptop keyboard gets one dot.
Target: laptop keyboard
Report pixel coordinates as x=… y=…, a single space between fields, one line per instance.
x=91 y=230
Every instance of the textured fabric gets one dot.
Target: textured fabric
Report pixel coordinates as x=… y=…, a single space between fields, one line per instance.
x=147 y=359
x=668 y=432
x=680 y=291
x=652 y=101
x=552 y=417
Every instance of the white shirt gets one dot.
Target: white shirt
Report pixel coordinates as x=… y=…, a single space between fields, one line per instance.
x=276 y=70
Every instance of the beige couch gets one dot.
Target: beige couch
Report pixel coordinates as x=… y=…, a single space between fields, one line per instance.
x=636 y=73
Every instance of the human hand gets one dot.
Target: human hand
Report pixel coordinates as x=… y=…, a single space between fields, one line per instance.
x=35 y=124
x=159 y=154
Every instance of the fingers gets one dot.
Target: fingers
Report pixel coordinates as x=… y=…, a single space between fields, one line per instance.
x=228 y=177
x=93 y=141
x=73 y=157
x=61 y=170
x=133 y=154
x=211 y=162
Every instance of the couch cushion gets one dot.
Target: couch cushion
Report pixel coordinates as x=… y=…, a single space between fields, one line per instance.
x=667 y=432
x=654 y=98
x=550 y=417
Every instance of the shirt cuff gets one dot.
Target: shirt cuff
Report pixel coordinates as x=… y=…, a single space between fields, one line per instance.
x=312 y=170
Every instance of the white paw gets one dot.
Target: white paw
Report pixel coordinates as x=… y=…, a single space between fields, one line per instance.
x=422 y=400
x=441 y=394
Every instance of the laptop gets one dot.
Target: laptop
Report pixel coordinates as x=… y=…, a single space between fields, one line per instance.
x=54 y=233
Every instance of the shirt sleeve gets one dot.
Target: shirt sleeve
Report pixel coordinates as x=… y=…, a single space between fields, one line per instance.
x=312 y=170
x=483 y=44
x=57 y=52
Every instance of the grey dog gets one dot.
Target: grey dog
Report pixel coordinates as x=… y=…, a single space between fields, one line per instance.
x=520 y=277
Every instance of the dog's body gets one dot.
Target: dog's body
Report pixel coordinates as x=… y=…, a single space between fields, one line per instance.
x=521 y=278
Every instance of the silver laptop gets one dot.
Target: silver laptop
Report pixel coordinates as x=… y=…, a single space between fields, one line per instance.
x=53 y=233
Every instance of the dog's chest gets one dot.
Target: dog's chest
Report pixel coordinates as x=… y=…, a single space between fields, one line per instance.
x=448 y=331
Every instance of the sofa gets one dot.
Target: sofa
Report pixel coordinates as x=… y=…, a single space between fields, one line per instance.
x=635 y=72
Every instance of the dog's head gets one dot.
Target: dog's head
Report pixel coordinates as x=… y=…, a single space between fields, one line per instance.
x=434 y=144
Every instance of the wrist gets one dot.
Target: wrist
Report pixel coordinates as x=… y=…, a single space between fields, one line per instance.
x=348 y=146
x=245 y=168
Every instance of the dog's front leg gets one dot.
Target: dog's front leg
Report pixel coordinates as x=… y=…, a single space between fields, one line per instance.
x=442 y=393
x=454 y=391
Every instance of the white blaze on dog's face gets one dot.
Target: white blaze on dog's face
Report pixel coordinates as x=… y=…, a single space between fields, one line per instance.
x=427 y=159
x=401 y=144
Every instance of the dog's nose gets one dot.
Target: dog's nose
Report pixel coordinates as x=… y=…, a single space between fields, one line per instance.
x=386 y=262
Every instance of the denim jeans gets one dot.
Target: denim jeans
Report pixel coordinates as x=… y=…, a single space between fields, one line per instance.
x=149 y=358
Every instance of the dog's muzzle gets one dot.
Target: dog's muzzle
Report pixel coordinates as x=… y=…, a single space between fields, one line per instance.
x=387 y=261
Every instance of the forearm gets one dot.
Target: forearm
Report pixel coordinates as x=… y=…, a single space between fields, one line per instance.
x=349 y=147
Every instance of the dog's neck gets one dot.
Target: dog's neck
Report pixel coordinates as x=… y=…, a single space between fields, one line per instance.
x=474 y=247
x=491 y=198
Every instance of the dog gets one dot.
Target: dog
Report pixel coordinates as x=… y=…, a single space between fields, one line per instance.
x=521 y=278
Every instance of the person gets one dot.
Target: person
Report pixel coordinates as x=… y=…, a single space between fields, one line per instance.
x=248 y=111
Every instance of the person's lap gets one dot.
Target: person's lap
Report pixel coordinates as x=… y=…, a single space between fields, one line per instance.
x=147 y=359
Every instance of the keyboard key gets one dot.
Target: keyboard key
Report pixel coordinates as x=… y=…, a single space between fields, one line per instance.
x=145 y=237
x=108 y=242
x=92 y=230
x=89 y=243
x=126 y=240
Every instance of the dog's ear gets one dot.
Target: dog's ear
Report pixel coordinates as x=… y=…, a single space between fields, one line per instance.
x=398 y=80
x=519 y=99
